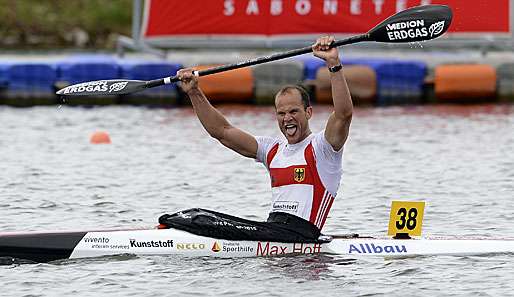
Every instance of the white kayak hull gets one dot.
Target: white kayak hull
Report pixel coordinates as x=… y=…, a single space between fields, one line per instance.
x=170 y=242
x=51 y=246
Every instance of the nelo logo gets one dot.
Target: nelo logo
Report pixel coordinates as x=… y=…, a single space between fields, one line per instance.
x=190 y=246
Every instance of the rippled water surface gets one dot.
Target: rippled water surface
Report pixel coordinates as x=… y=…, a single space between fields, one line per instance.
x=459 y=159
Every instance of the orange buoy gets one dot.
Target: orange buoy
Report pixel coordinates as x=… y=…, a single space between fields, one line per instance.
x=100 y=137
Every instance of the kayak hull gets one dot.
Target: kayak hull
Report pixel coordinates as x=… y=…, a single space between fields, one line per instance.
x=51 y=246
x=40 y=247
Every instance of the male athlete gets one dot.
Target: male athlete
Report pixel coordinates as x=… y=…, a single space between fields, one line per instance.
x=305 y=167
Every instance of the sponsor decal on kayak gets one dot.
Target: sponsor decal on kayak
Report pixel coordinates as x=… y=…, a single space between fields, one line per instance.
x=371 y=248
x=103 y=243
x=216 y=247
x=190 y=246
x=151 y=243
x=232 y=247
x=110 y=246
x=236 y=247
x=270 y=249
x=413 y=29
x=96 y=239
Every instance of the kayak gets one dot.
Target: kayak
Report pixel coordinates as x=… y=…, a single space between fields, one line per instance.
x=52 y=246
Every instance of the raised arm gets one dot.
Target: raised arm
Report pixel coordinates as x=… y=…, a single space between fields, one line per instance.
x=213 y=121
x=338 y=124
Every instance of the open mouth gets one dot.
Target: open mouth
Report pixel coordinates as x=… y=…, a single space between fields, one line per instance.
x=290 y=129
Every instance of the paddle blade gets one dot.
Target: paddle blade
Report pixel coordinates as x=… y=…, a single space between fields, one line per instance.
x=103 y=87
x=414 y=24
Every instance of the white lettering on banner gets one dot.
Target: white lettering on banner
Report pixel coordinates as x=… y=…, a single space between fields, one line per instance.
x=276 y=7
x=252 y=8
x=401 y=5
x=229 y=7
x=330 y=7
x=378 y=6
x=303 y=7
x=355 y=7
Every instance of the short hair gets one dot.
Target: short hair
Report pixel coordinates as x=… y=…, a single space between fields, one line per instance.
x=306 y=99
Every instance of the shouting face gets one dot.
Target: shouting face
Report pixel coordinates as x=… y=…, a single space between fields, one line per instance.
x=292 y=116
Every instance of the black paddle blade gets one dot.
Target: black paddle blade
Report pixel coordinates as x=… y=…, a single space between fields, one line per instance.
x=103 y=87
x=414 y=24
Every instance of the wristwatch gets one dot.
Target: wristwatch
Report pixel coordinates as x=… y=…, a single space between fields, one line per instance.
x=335 y=69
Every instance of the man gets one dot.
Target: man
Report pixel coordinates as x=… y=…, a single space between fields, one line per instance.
x=305 y=168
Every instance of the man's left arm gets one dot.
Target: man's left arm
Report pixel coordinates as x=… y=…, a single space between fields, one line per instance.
x=338 y=124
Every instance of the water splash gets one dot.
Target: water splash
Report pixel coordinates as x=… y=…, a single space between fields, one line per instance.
x=416 y=44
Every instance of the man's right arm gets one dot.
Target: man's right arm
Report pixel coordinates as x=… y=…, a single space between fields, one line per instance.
x=213 y=121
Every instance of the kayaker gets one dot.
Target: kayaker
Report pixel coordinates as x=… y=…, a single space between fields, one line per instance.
x=305 y=167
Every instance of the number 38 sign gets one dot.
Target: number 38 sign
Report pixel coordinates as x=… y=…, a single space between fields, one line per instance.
x=406 y=218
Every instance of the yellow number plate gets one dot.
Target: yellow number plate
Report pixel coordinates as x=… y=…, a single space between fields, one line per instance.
x=406 y=217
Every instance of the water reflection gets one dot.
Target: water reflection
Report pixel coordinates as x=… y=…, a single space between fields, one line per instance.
x=306 y=267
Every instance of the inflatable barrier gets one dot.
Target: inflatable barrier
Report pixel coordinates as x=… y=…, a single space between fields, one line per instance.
x=467 y=83
x=362 y=82
x=398 y=81
x=28 y=84
x=311 y=65
x=163 y=95
x=505 y=82
x=269 y=78
x=234 y=86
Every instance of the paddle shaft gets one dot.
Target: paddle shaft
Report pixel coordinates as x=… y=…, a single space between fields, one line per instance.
x=256 y=61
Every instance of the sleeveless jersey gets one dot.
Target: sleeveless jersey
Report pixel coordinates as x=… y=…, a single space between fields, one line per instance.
x=305 y=176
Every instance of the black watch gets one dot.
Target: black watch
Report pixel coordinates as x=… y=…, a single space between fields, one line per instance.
x=335 y=69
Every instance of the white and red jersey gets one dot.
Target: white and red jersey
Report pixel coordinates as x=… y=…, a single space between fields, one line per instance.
x=305 y=176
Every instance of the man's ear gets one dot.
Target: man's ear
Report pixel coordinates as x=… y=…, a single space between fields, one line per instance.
x=308 y=110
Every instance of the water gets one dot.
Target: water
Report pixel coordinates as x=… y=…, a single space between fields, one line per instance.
x=459 y=159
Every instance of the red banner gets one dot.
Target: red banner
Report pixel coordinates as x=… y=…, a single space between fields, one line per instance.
x=268 y=18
